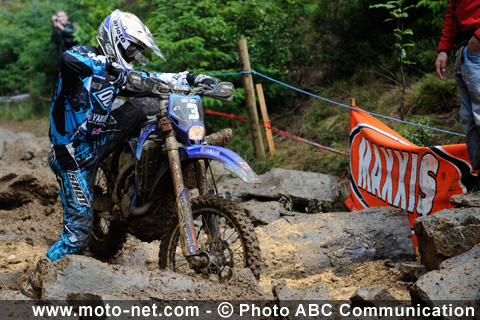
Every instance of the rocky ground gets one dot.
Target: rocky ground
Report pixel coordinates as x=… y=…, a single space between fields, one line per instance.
x=307 y=252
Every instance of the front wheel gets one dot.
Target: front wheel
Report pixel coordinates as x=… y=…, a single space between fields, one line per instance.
x=223 y=231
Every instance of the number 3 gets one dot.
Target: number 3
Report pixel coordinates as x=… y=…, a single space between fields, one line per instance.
x=193 y=111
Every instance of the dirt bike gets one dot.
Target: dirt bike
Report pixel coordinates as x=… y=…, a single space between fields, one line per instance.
x=142 y=188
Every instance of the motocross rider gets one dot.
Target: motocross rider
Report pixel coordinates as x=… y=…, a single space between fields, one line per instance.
x=87 y=121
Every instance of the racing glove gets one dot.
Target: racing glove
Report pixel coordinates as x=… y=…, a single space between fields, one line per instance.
x=201 y=80
x=117 y=74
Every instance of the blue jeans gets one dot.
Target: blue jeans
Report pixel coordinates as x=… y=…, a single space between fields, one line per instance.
x=469 y=87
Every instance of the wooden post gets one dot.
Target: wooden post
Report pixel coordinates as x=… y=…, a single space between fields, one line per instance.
x=265 y=118
x=352 y=102
x=250 y=99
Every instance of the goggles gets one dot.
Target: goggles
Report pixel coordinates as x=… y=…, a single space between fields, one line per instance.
x=134 y=51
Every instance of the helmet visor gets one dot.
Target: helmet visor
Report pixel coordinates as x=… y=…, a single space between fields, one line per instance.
x=141 y=58
x=134 y=51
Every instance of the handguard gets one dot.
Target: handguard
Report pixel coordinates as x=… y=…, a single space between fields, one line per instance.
x=224 y=92
x=136 y=82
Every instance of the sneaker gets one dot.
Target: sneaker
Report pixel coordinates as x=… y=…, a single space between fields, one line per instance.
x=469 y=199
x=33 y=285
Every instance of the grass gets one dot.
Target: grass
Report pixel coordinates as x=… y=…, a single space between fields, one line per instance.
x=24 y=110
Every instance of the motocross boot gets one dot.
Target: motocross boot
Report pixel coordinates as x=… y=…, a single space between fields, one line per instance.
x=33 y=285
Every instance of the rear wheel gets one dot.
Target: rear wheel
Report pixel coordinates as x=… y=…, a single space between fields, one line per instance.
x=223 y=231
x=108 y=235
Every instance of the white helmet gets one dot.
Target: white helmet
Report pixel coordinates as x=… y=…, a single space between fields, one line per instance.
x=123 y=37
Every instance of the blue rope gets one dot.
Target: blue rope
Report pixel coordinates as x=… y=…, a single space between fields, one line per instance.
x=337 y=103
x=225 y=74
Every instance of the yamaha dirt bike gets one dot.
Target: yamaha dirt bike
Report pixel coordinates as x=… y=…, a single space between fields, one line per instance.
x=144 y=188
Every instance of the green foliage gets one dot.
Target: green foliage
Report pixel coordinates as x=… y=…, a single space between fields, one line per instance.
x=201 y=36
x=305 y=43
x=437 y=8
x=27 y=52
x=88 y=14
x=25 y=37
x=421 y=136
x=398 y=13
x=432 y=95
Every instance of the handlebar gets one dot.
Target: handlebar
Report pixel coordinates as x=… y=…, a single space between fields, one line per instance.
x=136 y=82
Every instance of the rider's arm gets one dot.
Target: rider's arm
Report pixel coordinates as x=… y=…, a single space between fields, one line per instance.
x=183 y=78
x=76 y=64
x=172 y=78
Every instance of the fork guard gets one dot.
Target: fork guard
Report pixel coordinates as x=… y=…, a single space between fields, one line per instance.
x=232 y=161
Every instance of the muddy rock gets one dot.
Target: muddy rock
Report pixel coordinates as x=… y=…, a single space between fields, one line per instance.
x=23 y=146
x=80 y=274
x=446 y=234
x=370 y=297
x=410 y=271
x=315 y=293
x=457 y=279
x=7 y=279
x=262 y=213
x=297 y=186
x=20 y=187
x=138 y=253
x=308 y=244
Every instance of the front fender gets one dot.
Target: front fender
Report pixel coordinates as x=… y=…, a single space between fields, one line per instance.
x=232 y=161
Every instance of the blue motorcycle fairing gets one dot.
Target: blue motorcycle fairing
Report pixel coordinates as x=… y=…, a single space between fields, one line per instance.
x=184 y=112
x=143 y=136
x=232 y=161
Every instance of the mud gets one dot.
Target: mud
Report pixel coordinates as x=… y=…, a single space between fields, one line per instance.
x=31 y=221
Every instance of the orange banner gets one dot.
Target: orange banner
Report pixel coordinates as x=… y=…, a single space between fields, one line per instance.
x=388 y=170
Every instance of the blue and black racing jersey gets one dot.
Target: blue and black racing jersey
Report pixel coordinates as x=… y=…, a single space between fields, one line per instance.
x=82 y=102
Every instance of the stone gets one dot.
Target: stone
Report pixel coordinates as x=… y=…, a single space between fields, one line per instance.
x=468 y=199
x=302 y=188
x=314 y=293
x=262 y=213
x=410 y=272
x=370 y=297
x=309 y=244
x=84 y=275
x=446 y=233
x=457 y=280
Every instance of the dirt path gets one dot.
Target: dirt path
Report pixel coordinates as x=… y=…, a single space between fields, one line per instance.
x=31 y=216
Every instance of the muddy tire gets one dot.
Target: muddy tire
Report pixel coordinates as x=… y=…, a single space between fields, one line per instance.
x=235 y=247
x=108 y=236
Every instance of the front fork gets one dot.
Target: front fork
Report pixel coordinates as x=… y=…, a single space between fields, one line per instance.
x=198 y=260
